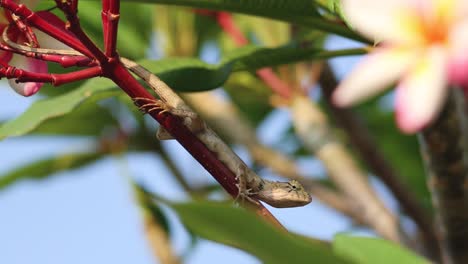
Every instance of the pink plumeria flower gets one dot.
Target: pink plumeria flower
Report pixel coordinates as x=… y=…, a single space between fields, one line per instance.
x=22 y=62
x=424 y=46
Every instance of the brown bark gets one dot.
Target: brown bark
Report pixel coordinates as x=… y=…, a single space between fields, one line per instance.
x=444 y=148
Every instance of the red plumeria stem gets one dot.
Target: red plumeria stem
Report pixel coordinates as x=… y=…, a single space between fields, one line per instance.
x=55 y=79
x=67 y=61
x=27 y=31
x=110 y=21
x=64 y=60
x=276 y=84
x=70 y=9
x=227 y=24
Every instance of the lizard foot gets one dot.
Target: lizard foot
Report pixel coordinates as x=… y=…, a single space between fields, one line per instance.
x=244 y=193
x=147 y=105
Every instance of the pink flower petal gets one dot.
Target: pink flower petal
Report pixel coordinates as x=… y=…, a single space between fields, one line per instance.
x=422 y=93
x=29 y=64
x=458 y=61
x=374 y=74
x=394 y=20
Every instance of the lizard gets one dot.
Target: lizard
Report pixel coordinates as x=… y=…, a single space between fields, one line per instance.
x=249 y=184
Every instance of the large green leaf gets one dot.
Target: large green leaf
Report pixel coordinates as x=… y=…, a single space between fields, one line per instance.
x=190 y=75
x=47 y=167
x=250 y=94
x=366 y=250
x=302 y=12
x=332 y=6
x=183 y=74
x=89 y=119
x=49 y=108
x=242 y=229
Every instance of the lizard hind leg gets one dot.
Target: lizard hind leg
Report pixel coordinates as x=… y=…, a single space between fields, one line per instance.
x=147 y=105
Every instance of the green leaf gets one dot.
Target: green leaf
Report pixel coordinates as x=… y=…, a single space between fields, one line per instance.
x=242 y=229
x=45 y=168
x=150 y=209
x=89 y=119
x=42 y=110
x=250 y=94
x=332 y=6
x=191 y=75
x=301 y=12
x=365 y=250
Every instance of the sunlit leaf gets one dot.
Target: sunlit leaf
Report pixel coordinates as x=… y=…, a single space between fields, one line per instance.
x=88 y=119
x=239 y=228
x=366 y=250
x=301 y=12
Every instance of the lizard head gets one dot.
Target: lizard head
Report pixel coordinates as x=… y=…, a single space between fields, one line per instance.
x=285 y=194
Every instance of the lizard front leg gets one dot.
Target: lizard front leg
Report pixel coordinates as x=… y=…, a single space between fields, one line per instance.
x=190 y=119
x=244 y=191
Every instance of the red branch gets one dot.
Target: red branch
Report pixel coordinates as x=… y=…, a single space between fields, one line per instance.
x=73 y=24
x=110 y=20
x=56 y=79
x=64 y=60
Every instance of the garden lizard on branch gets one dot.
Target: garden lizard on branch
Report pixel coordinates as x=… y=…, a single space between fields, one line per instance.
x=276 y=194
x=250 y=185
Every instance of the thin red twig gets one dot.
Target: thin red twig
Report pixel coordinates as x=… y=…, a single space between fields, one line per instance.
x=55 y=79
x=110 y=21
x=73 y=24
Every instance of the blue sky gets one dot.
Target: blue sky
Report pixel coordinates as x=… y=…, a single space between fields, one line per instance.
x=89 y=215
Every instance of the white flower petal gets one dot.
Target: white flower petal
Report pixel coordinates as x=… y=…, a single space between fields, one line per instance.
x=461 y=8
x=33 y=65
x=375 y=73
x=394 y=21
x=422 y=93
